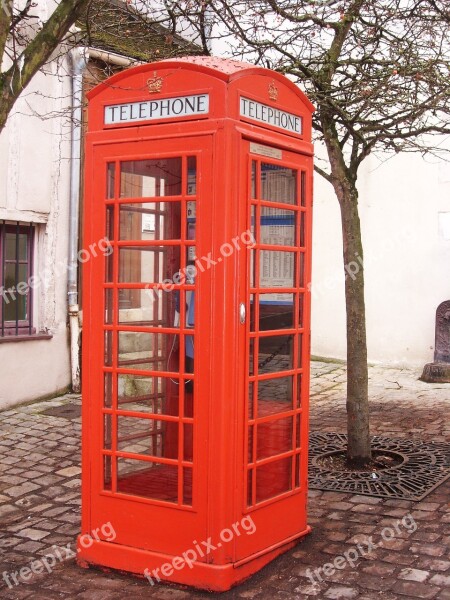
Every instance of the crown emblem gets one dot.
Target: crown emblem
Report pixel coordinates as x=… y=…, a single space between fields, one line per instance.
x=273 y=91
x=155 y=84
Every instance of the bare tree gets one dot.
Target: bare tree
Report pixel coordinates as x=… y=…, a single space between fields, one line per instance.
x=142 y=30
x=27 y=43
x=378 y=74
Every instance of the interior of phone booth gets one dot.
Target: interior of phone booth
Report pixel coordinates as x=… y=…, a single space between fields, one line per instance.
x=160 y=219
x=151 y=210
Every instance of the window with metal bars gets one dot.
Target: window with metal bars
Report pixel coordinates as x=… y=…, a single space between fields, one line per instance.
x=16 y=269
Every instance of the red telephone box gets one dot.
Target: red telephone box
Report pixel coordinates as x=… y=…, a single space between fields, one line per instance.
x=196 y=321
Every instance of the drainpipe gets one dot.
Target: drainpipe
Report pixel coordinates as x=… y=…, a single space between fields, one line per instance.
x=79 y=58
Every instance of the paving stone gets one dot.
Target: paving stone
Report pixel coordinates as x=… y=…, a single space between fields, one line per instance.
x=430 y=549
x=341 y=593
x=441 y=580
x=20 y=490
x=432 y=564
x=415 y=589
x=6 y=509
x=365 y=500
x=29 y=547
x=69 y=471
x=379 y=569
x=33 y=534
x=413 y=575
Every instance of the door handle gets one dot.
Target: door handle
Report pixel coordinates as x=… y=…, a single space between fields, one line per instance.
x=242 y=313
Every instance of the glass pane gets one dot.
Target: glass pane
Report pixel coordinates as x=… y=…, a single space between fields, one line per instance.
x=190 y=234
x=253 y=180
x=299 y=391
x=110 y=223
x=297 y=431
x=253 y=279
x=108 y=390
x=251 y=357
x=107 y=432
x=150 y=221
x=274 y=396
x=107 y=472
x=16 y=300
x=143 y=436
x=254 y=228
x=148 y=480
x=23 y=246
x=251 y=430
x=301 y=258
x=187 y=486
x=251 y=403
x=152 y=395
x=192 y=176
x=189 y=347
x=188 y=442
x=302 y=217
x=301 y=300
x=297 y=470
x=156 y=264
x=10 y=246
x=148 y=351
x=274 y=437
x=109 y=306
x=110 y=179
x=108 y=348
x=150 y=307
x=10 y=277
x=278 y=184
x=250 y=487
x=276 y=311
x=147 y=178
x=300 y=351
x=277 y=226
x=252 y=316
x=273 y=479
x=109 y=267
x=303 y=188
x=276 y=269
x=275 y=353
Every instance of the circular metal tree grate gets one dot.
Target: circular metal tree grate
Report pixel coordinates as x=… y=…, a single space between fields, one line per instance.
x=421 y=467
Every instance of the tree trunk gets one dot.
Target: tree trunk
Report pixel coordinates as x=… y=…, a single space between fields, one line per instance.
x=358 y=452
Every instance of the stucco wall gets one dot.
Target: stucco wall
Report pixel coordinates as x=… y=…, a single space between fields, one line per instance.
x=407 y=259
x=34 y=188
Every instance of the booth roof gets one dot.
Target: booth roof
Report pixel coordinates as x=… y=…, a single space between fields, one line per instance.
x=226 y=66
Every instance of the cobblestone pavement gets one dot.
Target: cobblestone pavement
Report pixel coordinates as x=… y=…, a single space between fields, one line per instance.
x=40 y=503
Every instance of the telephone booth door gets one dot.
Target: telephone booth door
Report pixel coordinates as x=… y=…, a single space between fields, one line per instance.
x=276 y=381
x=149 y=321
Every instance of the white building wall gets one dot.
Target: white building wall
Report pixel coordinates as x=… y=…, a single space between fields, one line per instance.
x=405 y=213
x=34 y=188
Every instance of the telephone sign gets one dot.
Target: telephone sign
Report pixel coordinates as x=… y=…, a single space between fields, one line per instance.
x=196 y=321
x=168 y=108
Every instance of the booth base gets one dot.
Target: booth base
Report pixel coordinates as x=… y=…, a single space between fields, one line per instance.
x=217 y=578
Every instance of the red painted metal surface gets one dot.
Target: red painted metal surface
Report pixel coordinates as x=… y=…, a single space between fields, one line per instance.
x=195 y=416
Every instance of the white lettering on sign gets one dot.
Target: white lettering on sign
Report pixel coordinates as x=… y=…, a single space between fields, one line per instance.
x=272 y=116
x=150 y=110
